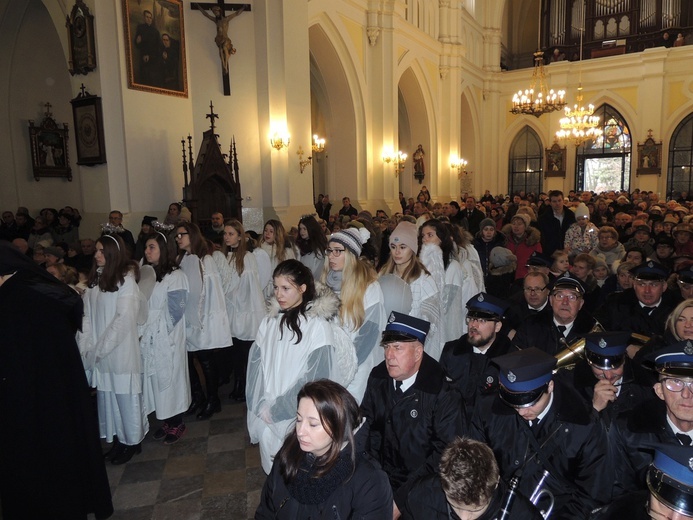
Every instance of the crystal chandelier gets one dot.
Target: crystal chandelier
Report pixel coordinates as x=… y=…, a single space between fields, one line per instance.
x=545 y=102
x=579 y=124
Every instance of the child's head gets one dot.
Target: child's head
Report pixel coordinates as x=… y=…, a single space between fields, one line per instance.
x=561 y=262
x=488 y=229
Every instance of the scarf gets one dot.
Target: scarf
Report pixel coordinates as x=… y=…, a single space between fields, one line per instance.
x=334 y=280
x=307 y=489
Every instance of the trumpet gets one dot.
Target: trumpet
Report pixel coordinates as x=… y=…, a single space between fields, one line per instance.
x=539 y=493
x=574 y=352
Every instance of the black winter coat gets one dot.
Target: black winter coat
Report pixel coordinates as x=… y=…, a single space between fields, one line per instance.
x=632 y=437
x=540 y=331
x=622 y=312
x=553 y=231
x=366 y=495
x=407 y=437
x=427 y=501
x=574 y=444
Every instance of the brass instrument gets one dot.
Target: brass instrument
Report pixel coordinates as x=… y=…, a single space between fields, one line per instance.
x=539 y=492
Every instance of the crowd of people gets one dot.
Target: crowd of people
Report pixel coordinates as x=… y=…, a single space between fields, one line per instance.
x=508 y=357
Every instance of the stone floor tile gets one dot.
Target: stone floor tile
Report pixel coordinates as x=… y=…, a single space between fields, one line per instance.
x=188 y=465
x=225 y=461
x=224 y=483
x=225 y=442
x=224 y=507
x=196 y=446
x=143 y=471
x=178 y=510
x=129 y=496
x=181 y=489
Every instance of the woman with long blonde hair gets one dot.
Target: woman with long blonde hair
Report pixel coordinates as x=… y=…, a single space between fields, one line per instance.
x=361 y=313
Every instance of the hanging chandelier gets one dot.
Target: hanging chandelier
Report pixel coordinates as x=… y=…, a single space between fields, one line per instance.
x=579 y=124
x=545 y=101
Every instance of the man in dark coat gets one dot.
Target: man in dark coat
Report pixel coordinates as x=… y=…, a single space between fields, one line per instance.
x=644 y=308
x=115 y=220
x=411 y=411
x=347 y=209
x=468 y=486
x=472 y=215
x=323 y=208
x=664 y=419
x=553 y=224
x=148 y=43
x=535 y=424
x=566 y=323
x=467 y=360
x=533 y=299
x=50 y=454
x=606 y=378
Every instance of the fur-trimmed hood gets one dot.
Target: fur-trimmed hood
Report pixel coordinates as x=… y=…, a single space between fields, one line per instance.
x=498 y=271
x=532 y=234
x=325 y=305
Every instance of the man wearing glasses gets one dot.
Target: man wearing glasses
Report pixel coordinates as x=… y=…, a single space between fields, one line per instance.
x=553 y=332
x=467 y=360
x=606 y=378
x=642 y=309
x=533 y=299
x=664 y=419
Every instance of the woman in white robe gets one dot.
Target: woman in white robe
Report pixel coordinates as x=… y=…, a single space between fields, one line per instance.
x=297 y=343
x=245 y=303
x=362 y=312
x=166 y=381
x=110 y=348
x=276 y=243
x=311 y=243
x=206 y=322
x=426 y=296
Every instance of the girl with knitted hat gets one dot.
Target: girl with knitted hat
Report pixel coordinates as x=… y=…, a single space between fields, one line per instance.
x=361 y=313
x=582 y=236
x=426 y=298
x=522 y=240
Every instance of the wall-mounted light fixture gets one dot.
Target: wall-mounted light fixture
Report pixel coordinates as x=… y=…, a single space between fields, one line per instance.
x=302 y=163
x=318 y=144
x=459 y=164
x=397 y=159
x=280 y=138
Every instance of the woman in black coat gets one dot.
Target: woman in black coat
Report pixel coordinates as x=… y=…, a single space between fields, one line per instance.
x=51 y=464
x=317 y=473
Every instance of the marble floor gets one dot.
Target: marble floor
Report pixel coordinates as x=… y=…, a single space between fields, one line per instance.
x=211 y=473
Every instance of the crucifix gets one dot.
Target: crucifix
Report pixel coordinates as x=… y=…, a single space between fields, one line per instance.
x=221 y=20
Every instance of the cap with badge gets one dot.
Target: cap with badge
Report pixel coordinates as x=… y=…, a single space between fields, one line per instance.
x=568 y=281
x=650 y=270
x=487 y=306
x=686 y=275
x=524 y=376
x=670 y=477
x=673 y=360
x=606 y=350
x=402 y=327
x=538 y=260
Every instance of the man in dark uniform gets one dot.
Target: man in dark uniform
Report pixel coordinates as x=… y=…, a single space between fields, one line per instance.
x=533 y=299
x=642 y=309
x=665 y=419
x=606 y=378
x=669 y=492
x=411 y=411
x=467 y=486
x=467 y=360
x=535 y=424
x=553 y=332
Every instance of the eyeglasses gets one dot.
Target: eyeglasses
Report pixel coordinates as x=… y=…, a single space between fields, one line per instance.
x=180 y=235
x=677 y=385
x=534 y=290
x=335 y=252
x=479 y=321
x=571 y=297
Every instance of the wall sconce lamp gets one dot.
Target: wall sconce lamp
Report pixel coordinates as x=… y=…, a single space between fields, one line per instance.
x=302 y=163
x=397 y=159
x=459 y=164
x=280 y=140
x=318 y=144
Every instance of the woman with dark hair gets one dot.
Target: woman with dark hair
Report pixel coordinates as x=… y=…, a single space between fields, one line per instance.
x=207 y=325
x=318 y=472
x=64 y=231
x=173 y=215
x=166 y=382
x=245 y=304
x=50 y=453
x=277 y=244
x=297 y=343
x=110 y=347
x=312 y=243
x=457 y=286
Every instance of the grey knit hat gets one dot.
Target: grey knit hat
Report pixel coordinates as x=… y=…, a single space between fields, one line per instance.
x=351 y=238
x=487 y=222
x=501 y=257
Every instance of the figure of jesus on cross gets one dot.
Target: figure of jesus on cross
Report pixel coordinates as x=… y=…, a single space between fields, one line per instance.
x=226 y=48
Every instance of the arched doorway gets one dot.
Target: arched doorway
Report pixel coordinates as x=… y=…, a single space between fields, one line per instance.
x=525 y=162
x=603 y=164
x=679 y=179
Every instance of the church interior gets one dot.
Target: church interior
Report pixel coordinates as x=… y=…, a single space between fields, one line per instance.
x=372 y=78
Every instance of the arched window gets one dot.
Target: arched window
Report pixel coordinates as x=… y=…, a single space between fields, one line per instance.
x=525 y=164
x=681 y=160
x=603 y=164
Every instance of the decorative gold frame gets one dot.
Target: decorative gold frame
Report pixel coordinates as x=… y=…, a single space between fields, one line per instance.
x=88 y=120
x=49 y=148
x=649 y=157
x=167 y=19
x=555 y=161
x=80 y=37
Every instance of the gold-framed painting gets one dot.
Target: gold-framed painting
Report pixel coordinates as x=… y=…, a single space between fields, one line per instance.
x=155 y=46
x=649 y=157
x=555 y=161
x=49 y=148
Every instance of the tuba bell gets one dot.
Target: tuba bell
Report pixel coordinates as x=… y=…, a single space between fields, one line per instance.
x=575 y=351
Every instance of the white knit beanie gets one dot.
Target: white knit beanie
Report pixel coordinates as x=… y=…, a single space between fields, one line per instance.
x=405 y=233
x=352 y=238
